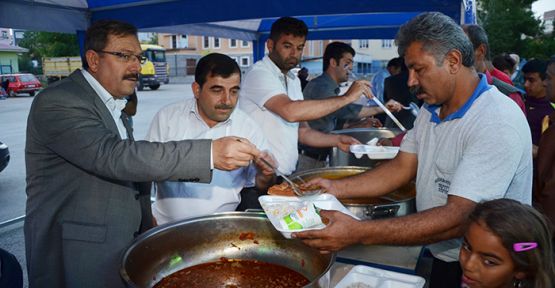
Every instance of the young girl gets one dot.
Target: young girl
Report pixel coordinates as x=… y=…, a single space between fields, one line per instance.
x=507 y=244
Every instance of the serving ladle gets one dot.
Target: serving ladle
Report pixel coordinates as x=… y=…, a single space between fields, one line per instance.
x=380 y=104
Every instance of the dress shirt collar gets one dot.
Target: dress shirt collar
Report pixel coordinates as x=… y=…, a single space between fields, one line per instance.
x=276 y=69
x=114 y=105
x=328 y=78
x=193 y=109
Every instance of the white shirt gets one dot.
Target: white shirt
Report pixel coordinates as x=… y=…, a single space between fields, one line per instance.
x=480 y=154
x=114 y=105
x=181 y=200
x=262 y=82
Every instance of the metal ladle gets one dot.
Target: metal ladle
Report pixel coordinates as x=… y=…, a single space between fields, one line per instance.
x=377 y=101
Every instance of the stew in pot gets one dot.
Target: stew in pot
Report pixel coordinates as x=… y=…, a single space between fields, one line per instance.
x=234 y=273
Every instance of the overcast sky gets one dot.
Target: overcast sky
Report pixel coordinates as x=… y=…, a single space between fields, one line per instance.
x=540 y=6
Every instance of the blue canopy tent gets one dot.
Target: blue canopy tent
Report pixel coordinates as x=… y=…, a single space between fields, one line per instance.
x=239 y=19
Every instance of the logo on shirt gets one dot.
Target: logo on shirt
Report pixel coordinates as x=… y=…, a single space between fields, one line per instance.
x=443 y=185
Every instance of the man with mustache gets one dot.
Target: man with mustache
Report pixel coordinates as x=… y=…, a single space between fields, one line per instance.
x=271 y=94
x=210 y=114
x=469 y=144
x=84 y=201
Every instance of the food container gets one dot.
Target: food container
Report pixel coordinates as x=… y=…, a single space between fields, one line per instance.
x=397 y=203
x=171 y=247
x=339 y=158
x=369 y=277
x=277 y=207
x=374 y=152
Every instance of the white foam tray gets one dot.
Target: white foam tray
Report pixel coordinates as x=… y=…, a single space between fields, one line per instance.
x=379 y=278
x=275 y=211
x=374 y=152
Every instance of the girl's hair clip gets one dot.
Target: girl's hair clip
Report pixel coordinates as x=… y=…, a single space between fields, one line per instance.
x=524 y=246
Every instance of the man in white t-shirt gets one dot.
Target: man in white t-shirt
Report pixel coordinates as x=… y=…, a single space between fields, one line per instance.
x=469 y=144
x=271 y=94
x=210 y=115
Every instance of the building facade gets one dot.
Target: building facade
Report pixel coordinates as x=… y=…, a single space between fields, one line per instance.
x=8 y=52
x=548 y=18
x=183 y=52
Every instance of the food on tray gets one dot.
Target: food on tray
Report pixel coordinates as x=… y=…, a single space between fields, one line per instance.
x=284 y=189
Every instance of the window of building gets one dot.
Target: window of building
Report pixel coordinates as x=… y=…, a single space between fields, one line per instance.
x=4 y=34
x=245 y=61
x=387 y=43
x=205 y=42
x=179 y=41
x=235 y=58
x=232 y=43
x=363 y=43
x=244 y=43
x=216 y=42
x=184 y=43
x=174 y=41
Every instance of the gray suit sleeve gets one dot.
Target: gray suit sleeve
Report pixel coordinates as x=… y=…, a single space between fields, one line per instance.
x=80 y=131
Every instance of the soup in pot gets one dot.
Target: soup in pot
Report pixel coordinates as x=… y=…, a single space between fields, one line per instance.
x=234 y=273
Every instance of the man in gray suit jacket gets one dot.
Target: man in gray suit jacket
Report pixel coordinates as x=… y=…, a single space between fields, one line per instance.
x=83 y=167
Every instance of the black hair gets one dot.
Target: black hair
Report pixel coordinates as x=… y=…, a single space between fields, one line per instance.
x=96 y=37
x=397 y=62
x=288 y=26
x=535 y=65
x=215 y=64
x=504 y=61
x=478 y=36
x=335 y=50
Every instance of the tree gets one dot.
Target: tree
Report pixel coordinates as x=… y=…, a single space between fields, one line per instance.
x=46 y=44
x=511 y=26
x=154 y=39
x=541 y=47
x=49 y=44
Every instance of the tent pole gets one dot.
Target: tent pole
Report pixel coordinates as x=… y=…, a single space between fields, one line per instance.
x=258 y=48
x=81 y=42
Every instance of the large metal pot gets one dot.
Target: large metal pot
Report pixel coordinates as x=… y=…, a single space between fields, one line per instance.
x=175 y=246
x=340 y=158
x=397 y=203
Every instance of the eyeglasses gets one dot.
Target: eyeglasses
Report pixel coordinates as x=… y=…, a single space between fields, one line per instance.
x=125 y=57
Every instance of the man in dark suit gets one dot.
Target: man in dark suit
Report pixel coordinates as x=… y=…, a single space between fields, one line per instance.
x=83 y=167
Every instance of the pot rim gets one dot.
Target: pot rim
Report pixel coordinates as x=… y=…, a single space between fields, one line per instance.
x=235 y=214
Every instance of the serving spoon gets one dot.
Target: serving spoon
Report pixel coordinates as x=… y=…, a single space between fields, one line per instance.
x=380 y=104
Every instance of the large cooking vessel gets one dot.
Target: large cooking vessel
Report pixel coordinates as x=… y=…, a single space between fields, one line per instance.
x=175 y=246
x=340 y=158
x=397 y=203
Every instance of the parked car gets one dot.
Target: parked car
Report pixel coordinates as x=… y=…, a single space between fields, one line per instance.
x=20 y=83
x=4 y=156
